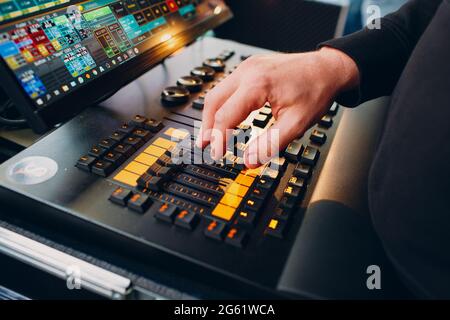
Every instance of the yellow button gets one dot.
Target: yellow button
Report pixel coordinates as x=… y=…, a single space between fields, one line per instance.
x=273 y=224
x=237 y=189
x=231 y=200
x=164 y=143
x=127 y=178
x=146 y=159
x=223 y=212
x=179 y=134
x=136 y=167
x=253 y=172
x=155 y=151
x=244 y=180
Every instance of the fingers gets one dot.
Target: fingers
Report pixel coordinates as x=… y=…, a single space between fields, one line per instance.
x=213 y=101
x=289 y=126
x=232 y=113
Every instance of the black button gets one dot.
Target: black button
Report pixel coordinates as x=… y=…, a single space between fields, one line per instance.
x=192 y=83
x=291 y=191
x=97 y=151
x=138 y=121
x=143 y=180
x=288 y=203
x=198 y=103
x=318 y=137
x=115 y=157
x=276 y=228
x=297 y=182
x=215 y=230
x=120 y=196
x=135 y=142
x=150 y=182
x=173 y=96
x=217 y=64
x=85 y=163
x=102 y=168
x=143 y=134
x=204 y=73
x=282 y=214
x=236 y=237
x=118 y=135
x=126 y=128
x=107 y=143
x=246 y=218
x=265 y=183
x=253 y=204
x=293 y=151
x=186 y=219
x=310 y=155
x=259 y=193
x=228 y=53
x=333 y=109
x=302 y=170
x=164 y=172
x=326 y=121
x=165 y=212
x=125 y=149
x=260 y=120
x=153 y=125
x=139 y=202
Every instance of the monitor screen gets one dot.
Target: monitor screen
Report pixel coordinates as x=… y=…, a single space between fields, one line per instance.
x=55 y=47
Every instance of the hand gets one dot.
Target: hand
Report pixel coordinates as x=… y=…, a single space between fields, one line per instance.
x=299 y=87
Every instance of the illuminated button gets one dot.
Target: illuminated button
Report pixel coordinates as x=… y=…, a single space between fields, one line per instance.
x=186 y=219
x=237 y=189
x=143 y=134
x=164 y=143
x=259 y=193
x=246 y=218
x=265 y=110
x=118 y=135
x=253 y=204
x=85 y=163
x=310 y=155
x=136 y=167
x=215 y=230
x=245 y=180
x=297 y=183
x=276 y=228
x=127 y=178
x=223 y=212
x=102 y=168
x=114 y=157
x=107 y=143
x=135 y=142
x=146 y=159
x=265 y=183
x=156 y=11
x=120 y=196
x=138 y=120
x=139 y=202
x=231 y=200
x=165 y=212
x=124 y=149
x=236 y=237
x=291 y=191
x=178 y=134
x=153 y=125
x=318 y=137
x=326 y=121
x=126 y=128
x=154 y=151
x=97 y=151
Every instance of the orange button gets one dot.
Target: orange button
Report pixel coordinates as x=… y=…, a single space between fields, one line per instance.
x=155 y=151
x=244 y=180
x=223 y=212
x=237 y=189
x=178 y=134
x=146 y=159
x=231 y=200
x=127 y=178
x=164 y=143
x=136 y=167
x=273 y=224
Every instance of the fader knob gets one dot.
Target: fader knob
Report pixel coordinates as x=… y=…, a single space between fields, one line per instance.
x=192 y=83
x=217 y=64
x=173 y=96
x=204 y=73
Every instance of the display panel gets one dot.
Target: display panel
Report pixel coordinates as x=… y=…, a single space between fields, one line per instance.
x=52 y=54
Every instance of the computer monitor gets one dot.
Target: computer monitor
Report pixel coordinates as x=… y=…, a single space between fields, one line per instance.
x=59 y=56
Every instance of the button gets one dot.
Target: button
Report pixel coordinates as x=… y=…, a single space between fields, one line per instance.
x=164 y=172
x=236 y=237
x=265 y=183
x=282 y=214
x=293 y=151
x=302 y=170
x=318 y=137
x=333 y=109
x=165 y=212
x=278 y=164
x=139 y=202
x=126 y=128
x=155 y=151
x=102 y=168
x=228 y=53
x=125 y=149
x=127 y=178
x=192 y=83
x=186 y=219
x=276 y=228
x=231 y=200
x=135 y=142
x=150 y=182
x=164 y=143
x=174 y=96
x=253 y=204
x=246 y=218
x=118 y=135
x=271 y=173
x=291 y=191
x=297 y=182
x=259 y=193
x=216 y=64
x=107 y=143
x=310 y=155
x=237 y=189
x=266 y=110
x=198 y=103
x=115 y=157
x=143 y=134
x=153 y=125
x=136 y=167
x=260 y=120
x=138 y=121
x=146 y=159
x=326 y=121
x=177 y=134
x=244 y=180
x=288 y=202
x=120 y=196
x=85 y=163
x=223 y=212
x=97 y=151
x=204 y=73
x=215 y=230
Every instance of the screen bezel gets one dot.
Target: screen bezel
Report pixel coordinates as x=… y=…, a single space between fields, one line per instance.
x=44 y=118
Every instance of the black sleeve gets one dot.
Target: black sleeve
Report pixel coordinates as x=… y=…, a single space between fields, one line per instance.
x=381 y=54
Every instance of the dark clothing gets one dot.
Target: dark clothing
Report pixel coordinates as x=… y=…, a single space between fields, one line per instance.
x=409 y=184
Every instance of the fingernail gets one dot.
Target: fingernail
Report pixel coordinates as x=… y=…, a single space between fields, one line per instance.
x=213 y=153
